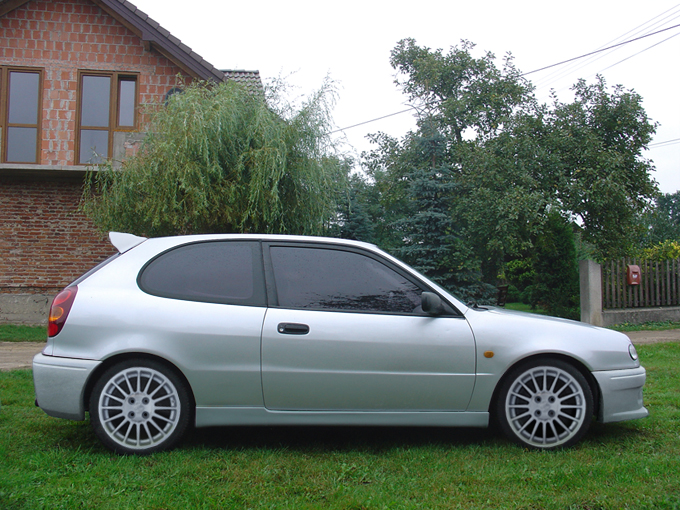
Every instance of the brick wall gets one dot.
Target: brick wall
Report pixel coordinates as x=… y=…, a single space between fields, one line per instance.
x=64 y=36
x=45 y=243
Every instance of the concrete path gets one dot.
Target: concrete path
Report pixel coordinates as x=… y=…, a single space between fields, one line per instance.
x=16 y=355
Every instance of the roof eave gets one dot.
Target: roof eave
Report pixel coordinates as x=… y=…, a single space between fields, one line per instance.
x=10 y=5
x=152 y=34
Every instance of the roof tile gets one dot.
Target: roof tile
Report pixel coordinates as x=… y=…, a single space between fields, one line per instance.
x=249 y=79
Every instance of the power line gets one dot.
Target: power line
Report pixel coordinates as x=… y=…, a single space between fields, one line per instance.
x=622 y=60
x=641 y=51
x=647 y=26
x=600 y=51
x=370 y=121
x=538 y=70
x=666 y=143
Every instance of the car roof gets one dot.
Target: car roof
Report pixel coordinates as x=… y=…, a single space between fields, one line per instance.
x=124 y=241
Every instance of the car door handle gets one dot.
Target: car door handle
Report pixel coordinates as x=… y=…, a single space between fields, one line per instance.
x=290 y=328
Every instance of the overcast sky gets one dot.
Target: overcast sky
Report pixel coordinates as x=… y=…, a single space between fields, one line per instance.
x=351 y=41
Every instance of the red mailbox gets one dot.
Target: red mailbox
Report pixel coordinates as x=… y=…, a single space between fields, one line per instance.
x=634 y=275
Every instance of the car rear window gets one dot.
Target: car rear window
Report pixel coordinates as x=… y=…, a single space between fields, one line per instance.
x=228 y=272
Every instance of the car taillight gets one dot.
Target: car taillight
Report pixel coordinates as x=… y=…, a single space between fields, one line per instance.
x=61 y=306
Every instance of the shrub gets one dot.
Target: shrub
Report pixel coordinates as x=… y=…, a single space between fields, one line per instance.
x=665 y=250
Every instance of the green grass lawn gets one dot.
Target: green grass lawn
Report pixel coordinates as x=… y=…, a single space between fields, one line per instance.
x=647 y=326
x=523 y=307
x=50 y=463
x=12 y=333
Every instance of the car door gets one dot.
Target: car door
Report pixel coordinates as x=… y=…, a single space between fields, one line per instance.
x=345 y=331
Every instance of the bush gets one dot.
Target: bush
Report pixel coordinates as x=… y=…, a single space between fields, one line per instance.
x=665 y=250
x=520 y=273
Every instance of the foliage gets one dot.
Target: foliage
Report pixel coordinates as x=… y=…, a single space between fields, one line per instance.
x=501 y=202
x=428 y=182
x=556 y=279
x=222 y=159
x=385 y=166
x=584 y=249
x=52 y=463
x=520 y=273
x=508 y=162
x=666 y=250
x=355 y=212
x=582 y=158
x=598 y=173
x=461 y=92
x=432 y=242
x=662 y=222
x=470 y=101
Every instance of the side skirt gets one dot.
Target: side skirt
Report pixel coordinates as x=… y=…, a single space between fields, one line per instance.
x=222 y=416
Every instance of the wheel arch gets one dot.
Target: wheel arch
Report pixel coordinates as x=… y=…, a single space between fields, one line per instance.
x=578 y=365
x=109 y=362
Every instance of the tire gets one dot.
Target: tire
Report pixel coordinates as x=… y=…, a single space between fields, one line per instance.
x=139 y=407
x=545 y=404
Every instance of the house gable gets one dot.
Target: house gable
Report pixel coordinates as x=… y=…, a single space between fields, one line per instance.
x=152 y=34
x=156 y=37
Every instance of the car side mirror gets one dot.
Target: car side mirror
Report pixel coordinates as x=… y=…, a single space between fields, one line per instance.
x=431 y=303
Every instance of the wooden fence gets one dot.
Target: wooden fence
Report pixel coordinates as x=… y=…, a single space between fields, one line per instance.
x=659 y=284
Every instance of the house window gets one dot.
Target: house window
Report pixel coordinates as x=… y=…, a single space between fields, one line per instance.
x=107 y=103
x=21 y=114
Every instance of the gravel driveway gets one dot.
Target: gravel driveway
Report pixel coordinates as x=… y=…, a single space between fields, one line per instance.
x=14 y=355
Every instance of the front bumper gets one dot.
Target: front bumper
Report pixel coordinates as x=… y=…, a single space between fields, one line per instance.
x=621 y=392
x=60 y=385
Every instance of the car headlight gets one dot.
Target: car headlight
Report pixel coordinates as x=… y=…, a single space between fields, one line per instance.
x=633 y=353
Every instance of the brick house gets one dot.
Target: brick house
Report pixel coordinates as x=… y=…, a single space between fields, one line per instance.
x=74 y=76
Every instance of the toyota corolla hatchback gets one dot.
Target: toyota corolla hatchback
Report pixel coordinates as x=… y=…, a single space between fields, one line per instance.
x=275 y=330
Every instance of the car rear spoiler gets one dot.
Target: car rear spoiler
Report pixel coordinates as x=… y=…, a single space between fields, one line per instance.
x=124 y=242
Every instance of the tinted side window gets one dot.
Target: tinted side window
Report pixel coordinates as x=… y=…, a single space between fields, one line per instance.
x=217 y=272
x=328 y=279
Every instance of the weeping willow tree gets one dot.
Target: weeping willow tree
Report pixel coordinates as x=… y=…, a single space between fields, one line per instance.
x=222 y=159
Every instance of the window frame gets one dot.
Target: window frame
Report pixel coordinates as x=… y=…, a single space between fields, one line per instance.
x=5 y=124
x=272 y=292
x=258 y=299
x=113 y=126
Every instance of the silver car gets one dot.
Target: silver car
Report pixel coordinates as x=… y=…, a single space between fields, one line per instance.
x=278 y=330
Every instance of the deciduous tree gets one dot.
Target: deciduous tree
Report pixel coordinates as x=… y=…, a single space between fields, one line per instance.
x=510 y=162
x=599 y=174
